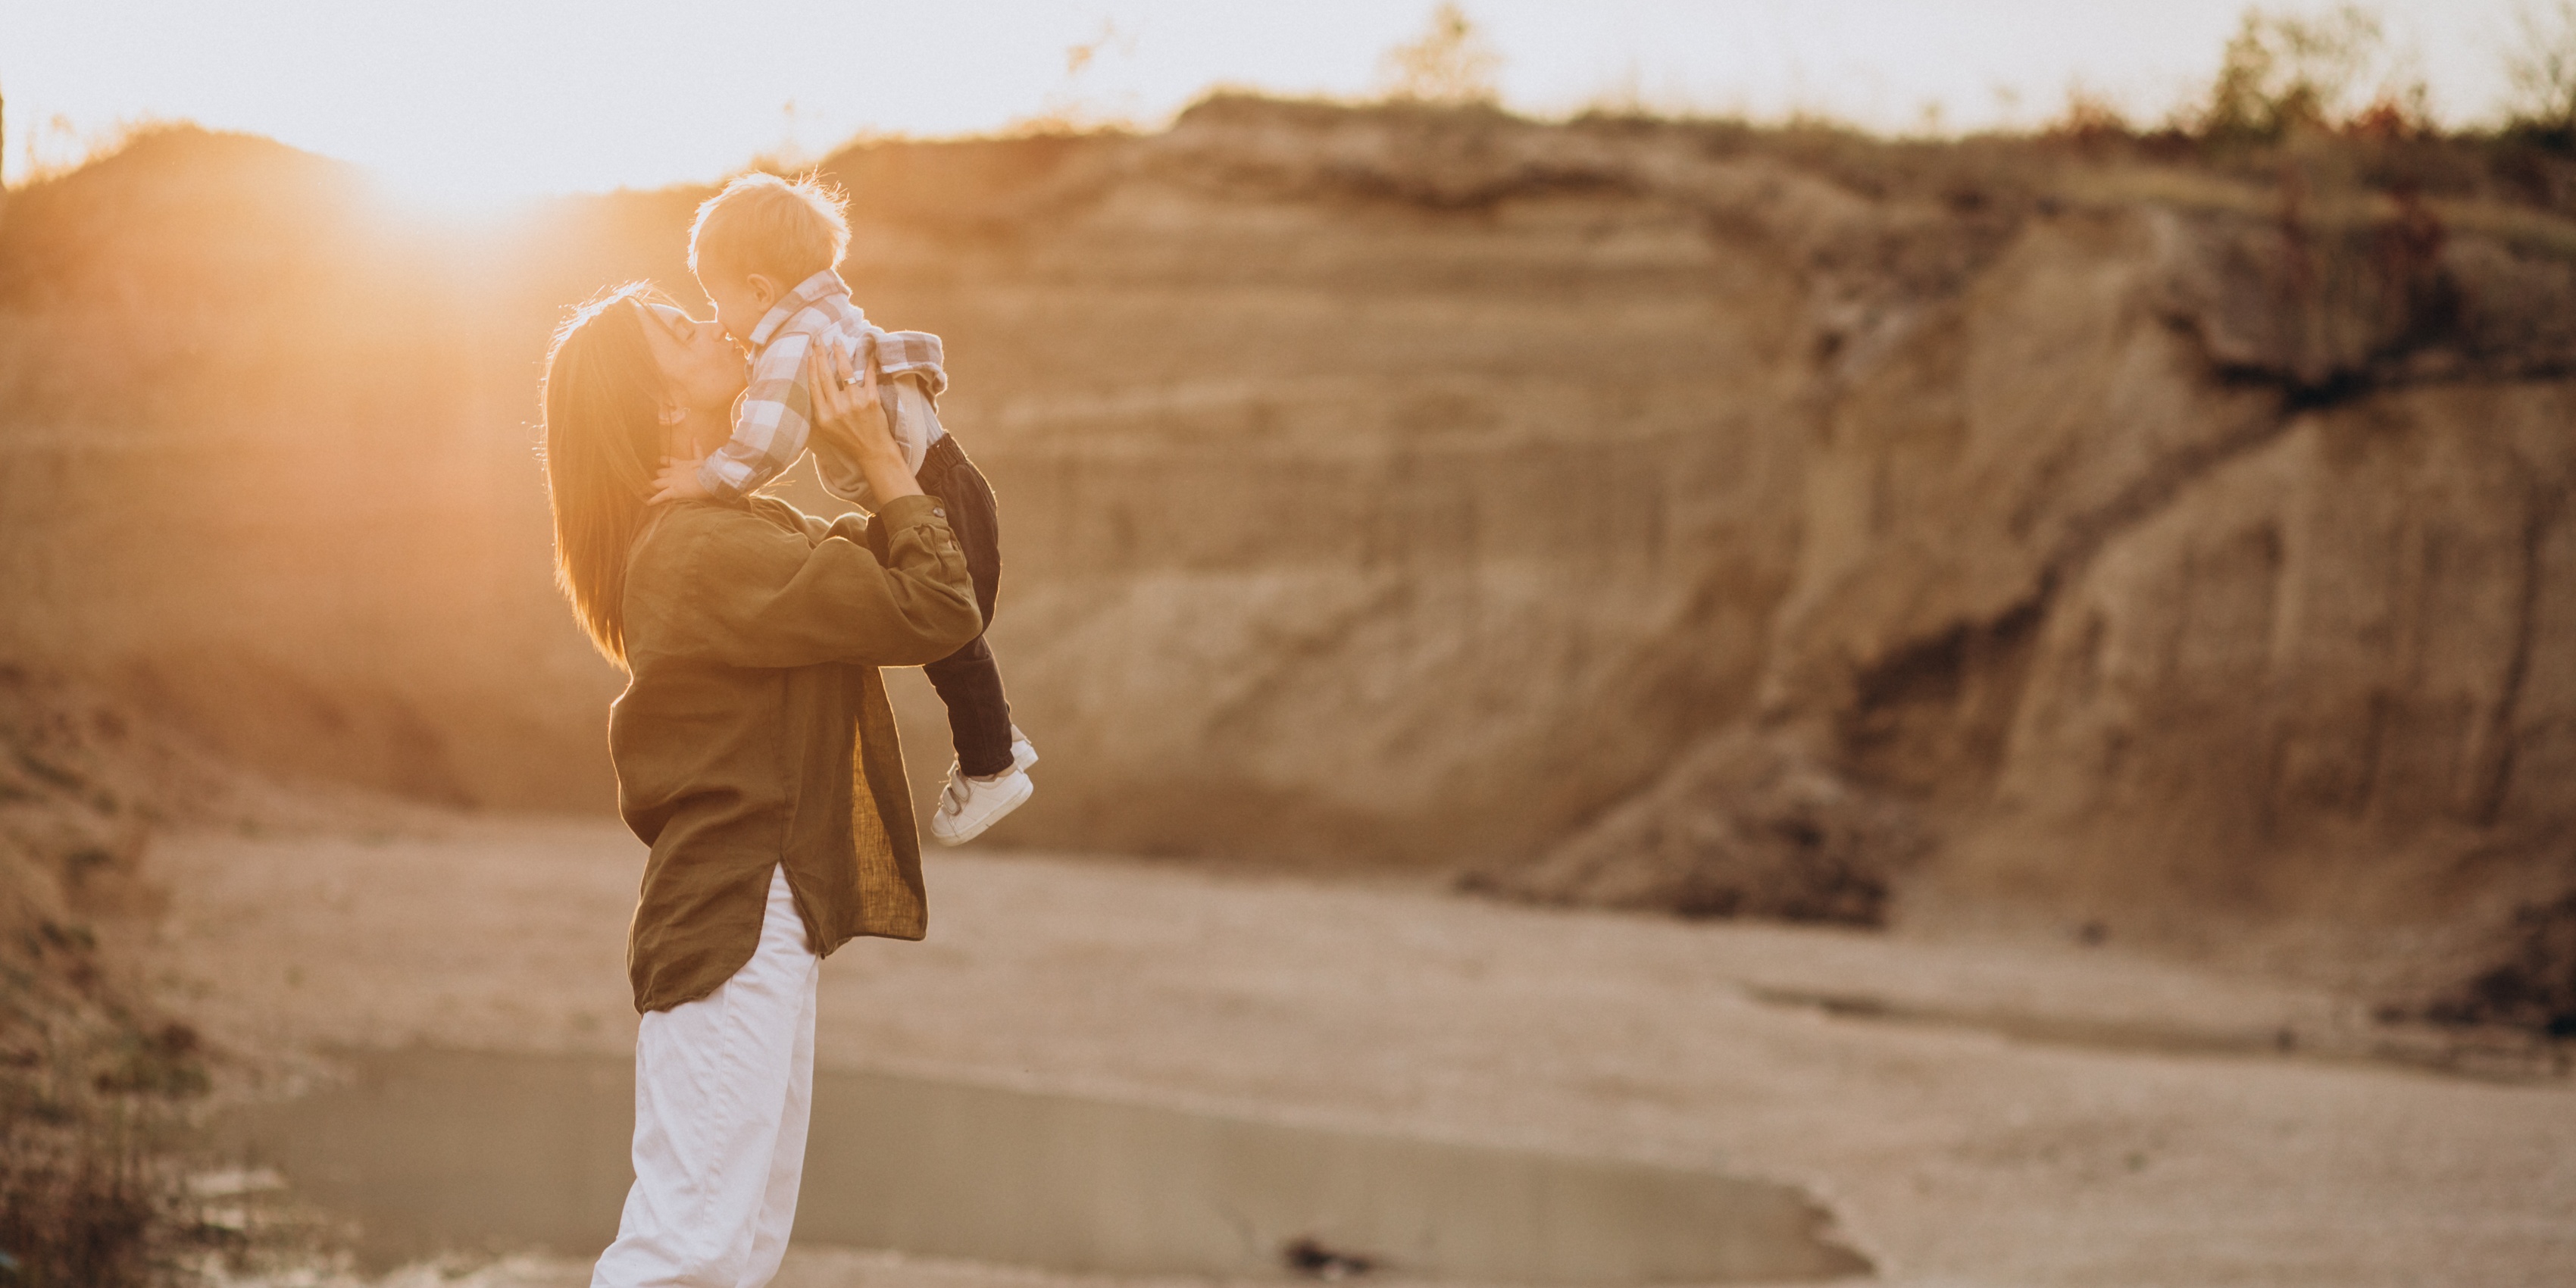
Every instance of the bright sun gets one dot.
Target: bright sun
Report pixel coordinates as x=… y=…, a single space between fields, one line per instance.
x=449 y=196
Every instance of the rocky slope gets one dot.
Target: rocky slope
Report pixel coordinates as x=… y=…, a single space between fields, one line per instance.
x=1669 y=504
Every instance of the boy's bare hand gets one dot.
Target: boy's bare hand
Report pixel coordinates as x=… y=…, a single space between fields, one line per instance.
x=678 y=481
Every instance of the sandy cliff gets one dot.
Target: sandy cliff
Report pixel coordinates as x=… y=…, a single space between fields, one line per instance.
x=1679 y=506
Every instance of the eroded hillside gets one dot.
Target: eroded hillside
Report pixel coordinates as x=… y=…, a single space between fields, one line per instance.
x=1677 y=506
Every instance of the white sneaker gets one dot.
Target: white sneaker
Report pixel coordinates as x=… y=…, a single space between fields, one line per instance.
x=1023 y=753
x=969 y=805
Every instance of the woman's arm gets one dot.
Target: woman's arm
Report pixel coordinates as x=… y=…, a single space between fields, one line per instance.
x=739 y=588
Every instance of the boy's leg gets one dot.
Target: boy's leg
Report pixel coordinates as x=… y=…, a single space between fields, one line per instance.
x=968 y=680
x=718 y=1091
x=979 y=716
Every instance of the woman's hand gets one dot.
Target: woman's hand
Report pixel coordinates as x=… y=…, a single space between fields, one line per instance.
x=848 y=413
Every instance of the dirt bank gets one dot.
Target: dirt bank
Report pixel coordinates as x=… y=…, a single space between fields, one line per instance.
x=2174 y=547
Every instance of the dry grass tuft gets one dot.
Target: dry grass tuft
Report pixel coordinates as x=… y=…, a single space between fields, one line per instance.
x=93 y=1094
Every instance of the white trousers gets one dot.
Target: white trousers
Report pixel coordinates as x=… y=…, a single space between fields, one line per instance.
x=723 y=1090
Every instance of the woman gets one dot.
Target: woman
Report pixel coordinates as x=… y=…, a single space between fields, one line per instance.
x=755 y=754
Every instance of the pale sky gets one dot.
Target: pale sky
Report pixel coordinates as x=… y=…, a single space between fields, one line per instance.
x=471 y=100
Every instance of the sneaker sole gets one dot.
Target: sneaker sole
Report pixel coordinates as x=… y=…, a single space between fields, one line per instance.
x=1016 y=795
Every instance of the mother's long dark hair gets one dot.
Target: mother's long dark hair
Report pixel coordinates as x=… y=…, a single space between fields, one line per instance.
x=603 y=444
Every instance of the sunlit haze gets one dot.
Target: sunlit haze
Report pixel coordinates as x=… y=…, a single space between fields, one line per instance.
x=479 y=100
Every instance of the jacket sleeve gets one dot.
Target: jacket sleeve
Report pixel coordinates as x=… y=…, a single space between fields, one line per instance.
x=755 y=593
x=849 y=527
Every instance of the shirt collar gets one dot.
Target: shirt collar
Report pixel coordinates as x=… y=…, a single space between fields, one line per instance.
x=811 y=291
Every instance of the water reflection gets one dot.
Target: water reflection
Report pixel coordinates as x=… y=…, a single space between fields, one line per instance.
x=436 y=1151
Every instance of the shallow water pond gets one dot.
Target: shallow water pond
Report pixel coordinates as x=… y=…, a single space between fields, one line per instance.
x=433 y=1151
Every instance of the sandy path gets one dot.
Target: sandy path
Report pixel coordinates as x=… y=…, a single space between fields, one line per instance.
x=1953 y=1153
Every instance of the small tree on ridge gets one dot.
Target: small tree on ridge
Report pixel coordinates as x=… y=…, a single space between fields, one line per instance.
x=1452 y=63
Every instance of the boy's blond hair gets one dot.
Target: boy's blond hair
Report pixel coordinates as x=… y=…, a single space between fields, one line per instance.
x=763 y=224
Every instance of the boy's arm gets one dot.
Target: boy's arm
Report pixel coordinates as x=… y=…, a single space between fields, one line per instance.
x=770 y=426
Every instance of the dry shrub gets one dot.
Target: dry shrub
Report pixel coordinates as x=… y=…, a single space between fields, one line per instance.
x=88 y=1196
x=1451 y=63
x=2283 y=73
x=2541 y=70
x=91 y=1093
x=2089 y=121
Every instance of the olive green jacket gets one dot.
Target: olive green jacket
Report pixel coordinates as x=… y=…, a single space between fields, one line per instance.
x=755 y=731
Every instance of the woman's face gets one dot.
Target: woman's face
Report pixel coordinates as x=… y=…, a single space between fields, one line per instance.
x=702 y=368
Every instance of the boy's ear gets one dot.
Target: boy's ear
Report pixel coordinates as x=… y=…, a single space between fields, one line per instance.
x=765 y=289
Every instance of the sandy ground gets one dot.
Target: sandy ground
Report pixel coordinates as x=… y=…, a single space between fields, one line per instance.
x=1975 y=1113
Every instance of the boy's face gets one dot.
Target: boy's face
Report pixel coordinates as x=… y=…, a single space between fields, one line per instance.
x=741 y=301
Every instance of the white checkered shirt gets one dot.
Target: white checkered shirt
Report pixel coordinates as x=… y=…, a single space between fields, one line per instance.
x=774 y=419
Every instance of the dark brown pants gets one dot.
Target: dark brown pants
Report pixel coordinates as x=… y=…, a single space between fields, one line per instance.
x=979 y=716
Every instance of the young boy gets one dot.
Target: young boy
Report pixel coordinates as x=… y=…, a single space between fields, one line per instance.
x=764 y=250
